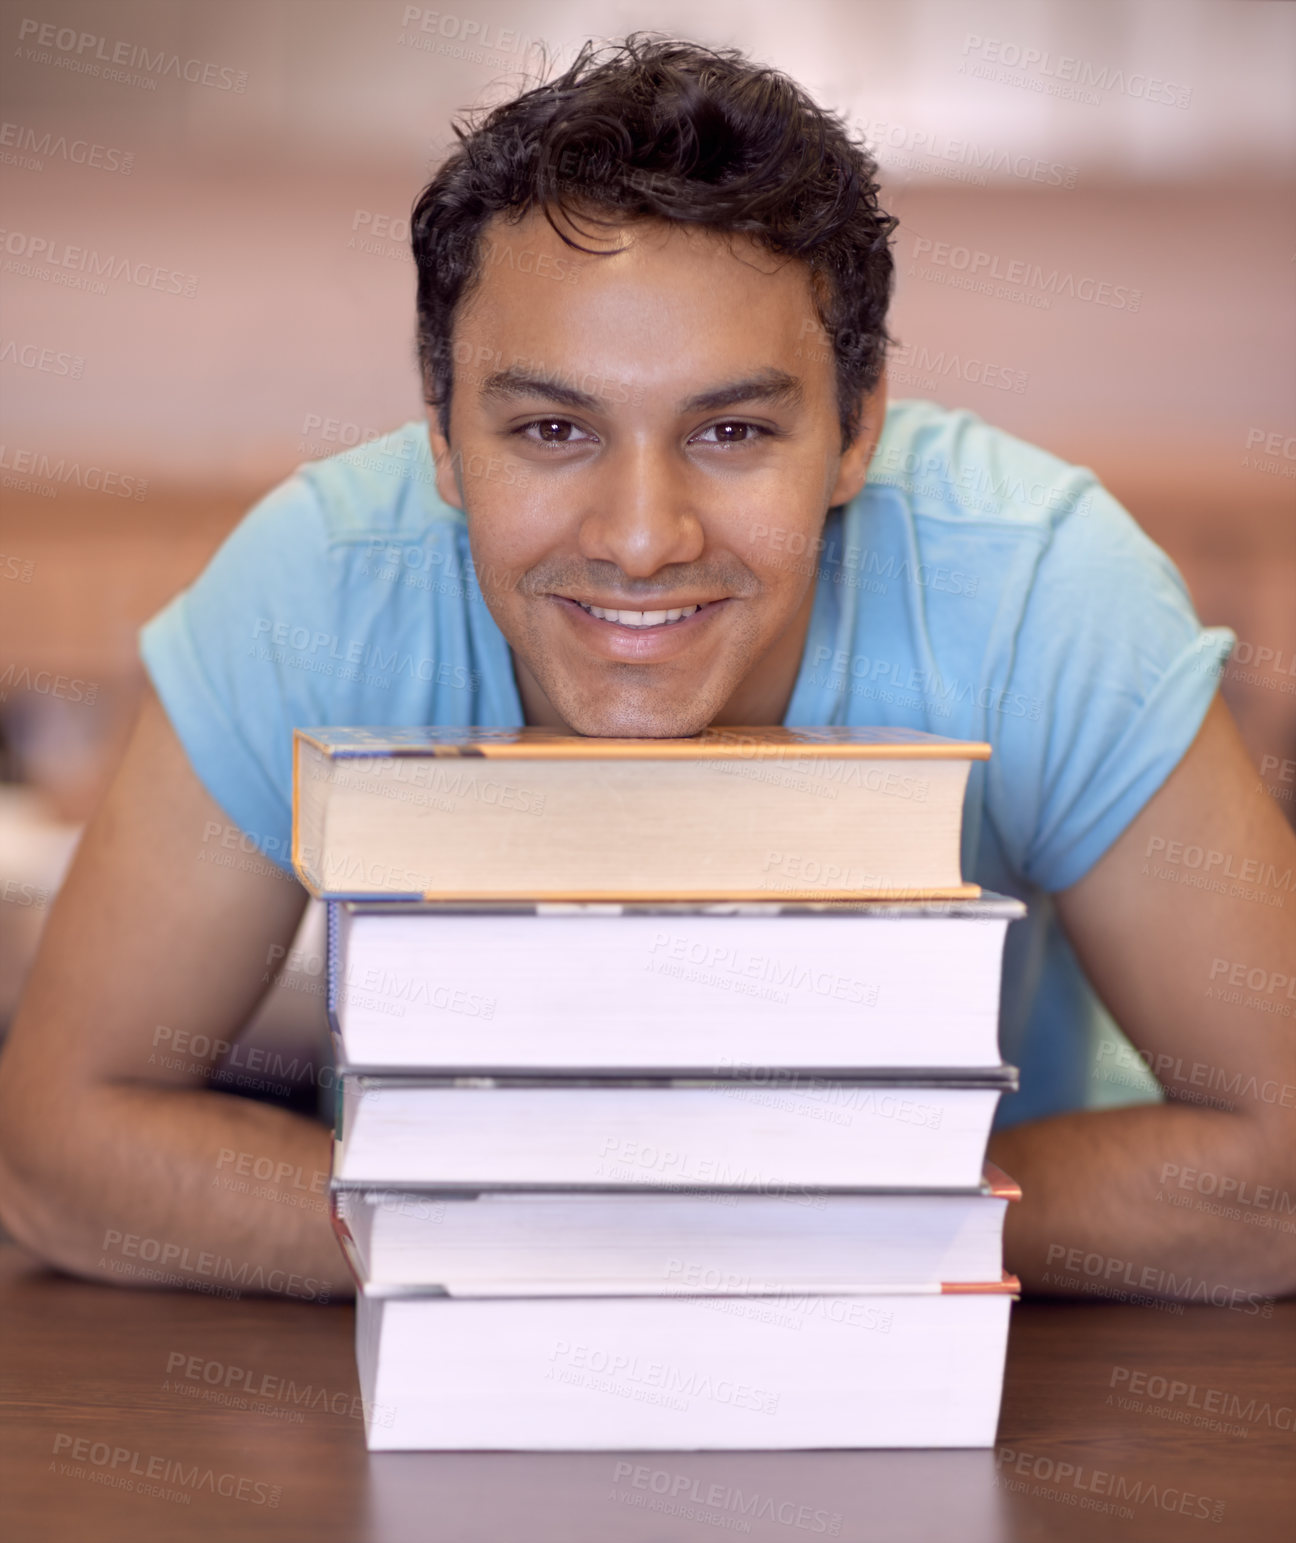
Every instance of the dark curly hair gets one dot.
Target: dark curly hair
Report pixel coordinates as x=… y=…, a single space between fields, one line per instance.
x=655 y=128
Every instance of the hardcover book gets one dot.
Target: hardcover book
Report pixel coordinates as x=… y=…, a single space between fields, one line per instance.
x=731 y=814
x=641 y=1242
x=500 y=986
x=777 y=1133
x=747 y=1373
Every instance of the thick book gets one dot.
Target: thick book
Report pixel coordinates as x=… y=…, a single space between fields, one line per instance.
x=501 y=986
x=777 y=1133
x=671 y=1373
x=530 y=814
x=641 y=1242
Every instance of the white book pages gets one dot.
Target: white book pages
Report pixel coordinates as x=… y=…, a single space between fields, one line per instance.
x=782 y=1139
x=838 y=990
x=650 y=1243
x=653 y=1374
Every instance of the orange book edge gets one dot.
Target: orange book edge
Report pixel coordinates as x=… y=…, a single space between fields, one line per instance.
x=1009 y=1285
x=712 y=744
x=1001 y=1186
x=295 y=855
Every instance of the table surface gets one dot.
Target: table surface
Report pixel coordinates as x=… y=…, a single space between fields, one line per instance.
x=1119 y=1422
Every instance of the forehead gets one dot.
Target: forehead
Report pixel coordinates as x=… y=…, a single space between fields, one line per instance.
x=648 y=286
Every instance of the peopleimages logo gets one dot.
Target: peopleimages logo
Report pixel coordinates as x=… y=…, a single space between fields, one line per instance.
x=461 y=37
x=32 y=471
x=78 y=267
x=1096 y=1489
x=690 y=1498
x=67 y=688
x=1099 y=1268
x=30 y=148
x=122 y=1468
x=210 y=1269
x=47 y=361
x=767 y=968
x=654 y=1382
x=941 y=694
x=1064 y=75
x=919 y=365
x=328 y=653
x=128 y=64
x=979 y=268
x=912 y=147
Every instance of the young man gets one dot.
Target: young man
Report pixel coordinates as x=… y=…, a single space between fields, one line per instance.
x=660 y=487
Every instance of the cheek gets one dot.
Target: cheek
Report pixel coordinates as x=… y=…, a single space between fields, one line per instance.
x=507 y=539
x=782 y=555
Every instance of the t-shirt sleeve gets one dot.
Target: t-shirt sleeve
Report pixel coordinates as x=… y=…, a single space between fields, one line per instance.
x=223 y=656
x=1113 y=674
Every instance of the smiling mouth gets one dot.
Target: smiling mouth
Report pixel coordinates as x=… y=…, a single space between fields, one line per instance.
x=642 y=619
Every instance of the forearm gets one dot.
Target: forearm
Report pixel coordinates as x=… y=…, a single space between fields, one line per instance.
x=1157 y=1200
x=156 y=1186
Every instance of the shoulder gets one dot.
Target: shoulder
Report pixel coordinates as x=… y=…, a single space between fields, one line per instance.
x=336 y=524
x=949 y=465
x=384 y=489
x=342 y=510
x=948 y=493
x=351 y=547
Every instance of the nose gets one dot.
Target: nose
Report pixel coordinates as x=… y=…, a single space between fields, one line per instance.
x=641 y=515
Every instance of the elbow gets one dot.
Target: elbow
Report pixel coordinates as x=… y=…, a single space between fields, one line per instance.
x=24 y=1214
x=31 y=1210
x=1263 y=1204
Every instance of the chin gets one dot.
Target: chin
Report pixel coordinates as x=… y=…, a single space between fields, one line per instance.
x=604 y=719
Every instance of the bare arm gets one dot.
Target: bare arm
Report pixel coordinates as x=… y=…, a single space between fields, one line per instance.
x=113 y=1164
x=1194 y=904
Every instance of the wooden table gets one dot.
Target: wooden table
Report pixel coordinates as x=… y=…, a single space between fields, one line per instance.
x=123 y=1422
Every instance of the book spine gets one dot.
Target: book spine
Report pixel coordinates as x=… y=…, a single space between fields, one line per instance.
x=338 y=1202
x=295 y=850
x=333 y=950
x=700 y=896
x=334 y=970
x=1003 y=1079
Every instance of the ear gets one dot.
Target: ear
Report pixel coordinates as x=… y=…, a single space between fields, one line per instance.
x=854 y=465
x=447 y=463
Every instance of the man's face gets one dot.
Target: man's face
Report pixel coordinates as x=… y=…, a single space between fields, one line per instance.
x=653 y=434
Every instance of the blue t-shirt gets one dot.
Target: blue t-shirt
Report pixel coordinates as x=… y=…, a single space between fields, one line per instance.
x=977 y=587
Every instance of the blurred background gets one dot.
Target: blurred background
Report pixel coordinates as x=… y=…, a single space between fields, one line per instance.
x=238 y=173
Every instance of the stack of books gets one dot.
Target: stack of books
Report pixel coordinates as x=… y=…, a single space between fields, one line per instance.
x=668 y=1069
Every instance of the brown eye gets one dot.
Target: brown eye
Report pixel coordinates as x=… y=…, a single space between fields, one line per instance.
x=735 y=432
x=553 y=431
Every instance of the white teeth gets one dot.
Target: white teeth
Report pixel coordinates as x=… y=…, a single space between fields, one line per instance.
x=640 y=618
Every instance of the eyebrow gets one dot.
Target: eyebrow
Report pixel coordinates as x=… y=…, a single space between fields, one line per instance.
x=773 y=386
